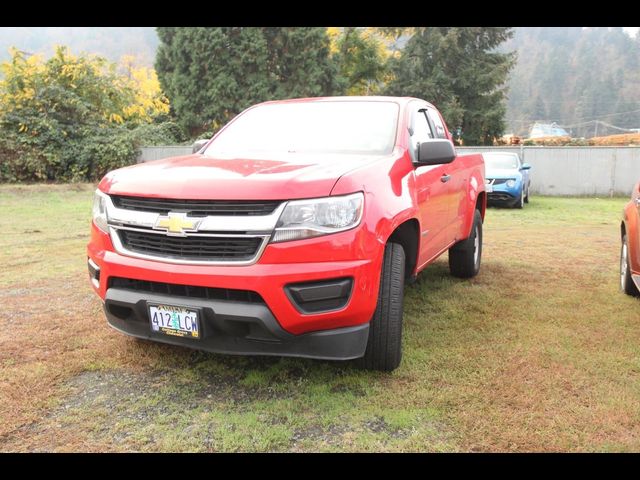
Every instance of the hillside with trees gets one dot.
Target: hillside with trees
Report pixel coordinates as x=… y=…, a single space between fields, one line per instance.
x=585 y=80
x=109 y=42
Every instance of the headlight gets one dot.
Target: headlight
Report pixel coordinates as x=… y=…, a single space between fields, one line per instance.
x=320 y=216
x=511 y=183
x=100 y=210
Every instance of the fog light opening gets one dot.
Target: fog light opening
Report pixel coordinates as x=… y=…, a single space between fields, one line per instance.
x=94 y=273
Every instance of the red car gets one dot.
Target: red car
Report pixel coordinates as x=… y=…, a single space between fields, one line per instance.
x=291 y=232
x=630 y=249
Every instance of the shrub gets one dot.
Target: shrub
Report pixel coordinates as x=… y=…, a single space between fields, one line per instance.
x=73 y=118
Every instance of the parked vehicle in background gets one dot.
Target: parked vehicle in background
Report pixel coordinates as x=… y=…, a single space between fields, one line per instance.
x=542 y=130
x=291 y=232
x=509 y=178
x=630 y=245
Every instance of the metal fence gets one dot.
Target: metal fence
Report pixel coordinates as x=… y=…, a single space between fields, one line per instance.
x=588 y=171
x=156 y=153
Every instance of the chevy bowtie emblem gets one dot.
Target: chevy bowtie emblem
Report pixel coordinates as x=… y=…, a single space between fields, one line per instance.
x=175 y=223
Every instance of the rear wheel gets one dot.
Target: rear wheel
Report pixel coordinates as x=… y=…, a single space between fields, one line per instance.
x=626 y=282
x=465 y=256
x=384 y=347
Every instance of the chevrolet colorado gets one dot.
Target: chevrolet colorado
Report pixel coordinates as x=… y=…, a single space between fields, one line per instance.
x=291 y=232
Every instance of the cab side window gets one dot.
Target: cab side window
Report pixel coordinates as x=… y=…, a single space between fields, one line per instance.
x=421 y=132
x=437 y=123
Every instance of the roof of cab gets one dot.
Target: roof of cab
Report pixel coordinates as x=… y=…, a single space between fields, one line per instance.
x=400 y=100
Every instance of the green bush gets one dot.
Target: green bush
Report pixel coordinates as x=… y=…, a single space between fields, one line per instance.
x=87 y=157
x=73 y=119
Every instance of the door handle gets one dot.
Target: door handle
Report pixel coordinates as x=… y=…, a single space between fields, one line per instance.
x=445 y=178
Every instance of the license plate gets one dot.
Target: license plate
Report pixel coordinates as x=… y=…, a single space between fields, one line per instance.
x=174 y=320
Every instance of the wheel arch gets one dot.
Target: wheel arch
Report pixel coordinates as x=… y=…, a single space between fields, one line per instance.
x=481 y=203
x=407 y=235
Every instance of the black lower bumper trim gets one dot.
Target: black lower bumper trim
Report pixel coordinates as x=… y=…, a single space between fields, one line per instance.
x=233 y=327
x=320 y=296
x=500 y=197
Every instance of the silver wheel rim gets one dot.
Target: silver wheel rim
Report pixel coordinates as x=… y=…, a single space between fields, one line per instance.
x=522 y=198
x=476 y=247
x=623 y=264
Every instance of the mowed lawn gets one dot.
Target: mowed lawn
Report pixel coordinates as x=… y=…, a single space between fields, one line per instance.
x=540 y=352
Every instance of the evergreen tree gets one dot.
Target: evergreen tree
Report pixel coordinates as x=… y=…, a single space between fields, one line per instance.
x=361 y=58
x=211 y=74
x=459 y=70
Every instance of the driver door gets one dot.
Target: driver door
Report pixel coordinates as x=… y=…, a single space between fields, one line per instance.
x=432 y=192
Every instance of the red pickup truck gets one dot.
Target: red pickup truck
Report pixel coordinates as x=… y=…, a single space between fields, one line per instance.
x=291 y=232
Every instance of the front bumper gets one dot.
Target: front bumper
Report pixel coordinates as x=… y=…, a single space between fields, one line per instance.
x=354 y=254
x=501 y=197
x=503 y=194
x=233 y=328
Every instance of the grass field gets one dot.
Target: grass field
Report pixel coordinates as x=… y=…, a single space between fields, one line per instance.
x=540 y=352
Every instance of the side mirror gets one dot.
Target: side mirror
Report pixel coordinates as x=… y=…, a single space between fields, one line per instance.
x=197 y=146
x=436 y=152
x=525 y=166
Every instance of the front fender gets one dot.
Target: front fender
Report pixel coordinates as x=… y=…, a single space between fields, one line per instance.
x=517 y=188
x=389 y=188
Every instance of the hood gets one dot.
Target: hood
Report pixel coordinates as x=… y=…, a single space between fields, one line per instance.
x=502 y=173
x=197 y=177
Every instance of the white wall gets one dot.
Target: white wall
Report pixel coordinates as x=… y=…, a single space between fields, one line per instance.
x=589 y=171
x=156 y=153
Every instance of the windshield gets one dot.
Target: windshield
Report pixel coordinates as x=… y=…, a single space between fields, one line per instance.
x=352 y=127
x=501 y=162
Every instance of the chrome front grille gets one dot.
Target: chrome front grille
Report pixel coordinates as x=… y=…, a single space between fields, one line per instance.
x=223 y=233
x=196 y=208
x=496 y=181
x=194 y=247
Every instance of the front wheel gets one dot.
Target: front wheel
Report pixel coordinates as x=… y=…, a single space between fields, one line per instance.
x=465 y=256
x=384 y=347
x=626 y=282
x=520 y=201
x=526 y=198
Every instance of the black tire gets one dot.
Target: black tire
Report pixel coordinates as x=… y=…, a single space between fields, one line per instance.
x=384 y=347
x=463 y=261
x=626 y=282
x=520 y=201
x=526 y=198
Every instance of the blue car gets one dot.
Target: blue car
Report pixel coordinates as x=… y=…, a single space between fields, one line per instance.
x=508 y=177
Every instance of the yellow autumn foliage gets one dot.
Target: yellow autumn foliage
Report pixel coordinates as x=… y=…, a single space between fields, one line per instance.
x=140 y=98
x=149 y=101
